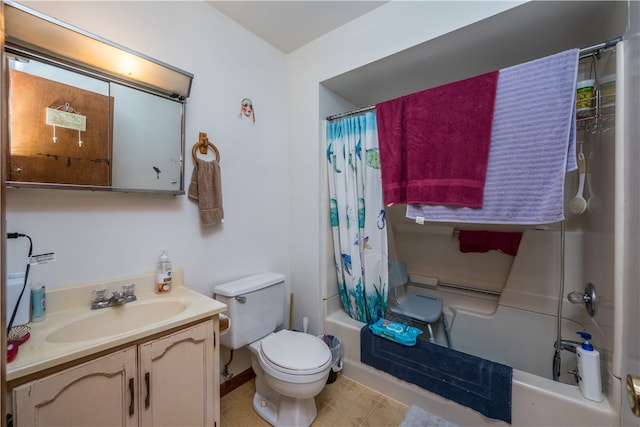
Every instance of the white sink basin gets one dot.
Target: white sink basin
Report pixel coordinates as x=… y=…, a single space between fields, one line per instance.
x=110 y=321
x=73 y=331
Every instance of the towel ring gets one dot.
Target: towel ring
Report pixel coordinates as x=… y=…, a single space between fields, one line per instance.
x=203 y=144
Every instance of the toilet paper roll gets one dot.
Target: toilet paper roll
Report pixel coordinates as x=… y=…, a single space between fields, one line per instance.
x=225 y=323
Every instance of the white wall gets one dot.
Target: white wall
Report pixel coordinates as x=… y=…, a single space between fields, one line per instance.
x=98 y=236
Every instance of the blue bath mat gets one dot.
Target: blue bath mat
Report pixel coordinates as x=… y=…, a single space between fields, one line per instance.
x=478 y=383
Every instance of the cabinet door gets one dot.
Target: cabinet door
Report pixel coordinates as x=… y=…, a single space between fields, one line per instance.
x=177 y=379
x=101 y=392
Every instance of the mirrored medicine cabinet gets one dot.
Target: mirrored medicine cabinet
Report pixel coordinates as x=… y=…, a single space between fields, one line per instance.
x=86 y=113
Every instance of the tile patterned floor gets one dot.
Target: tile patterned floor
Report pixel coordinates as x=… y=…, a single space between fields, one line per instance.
x=344 y=403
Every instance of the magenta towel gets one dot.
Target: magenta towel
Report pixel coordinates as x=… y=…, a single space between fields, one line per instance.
x=434 y=144
x=484 y=241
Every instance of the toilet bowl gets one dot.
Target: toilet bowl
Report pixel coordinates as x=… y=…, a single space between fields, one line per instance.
x=291 y=367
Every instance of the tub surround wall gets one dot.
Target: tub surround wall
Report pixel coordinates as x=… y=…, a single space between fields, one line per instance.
x=534 y=280
x=530 y=280
x=439 y=254
x=526 y=309
x=507 y=329
x=517 y=328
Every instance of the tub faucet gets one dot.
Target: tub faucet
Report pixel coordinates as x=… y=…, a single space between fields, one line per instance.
x=568 y=345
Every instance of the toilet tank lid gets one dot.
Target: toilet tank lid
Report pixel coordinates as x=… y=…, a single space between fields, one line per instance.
x=248 y=284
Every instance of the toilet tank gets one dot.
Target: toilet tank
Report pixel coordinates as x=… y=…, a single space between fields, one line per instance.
x=255 y=306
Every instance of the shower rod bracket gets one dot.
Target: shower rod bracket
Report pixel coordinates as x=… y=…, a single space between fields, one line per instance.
x=589 y=298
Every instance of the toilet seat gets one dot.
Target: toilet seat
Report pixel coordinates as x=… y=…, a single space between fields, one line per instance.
x=295 y=353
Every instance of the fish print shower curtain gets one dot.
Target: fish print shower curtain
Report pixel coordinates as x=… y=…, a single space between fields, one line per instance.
x=357 y=216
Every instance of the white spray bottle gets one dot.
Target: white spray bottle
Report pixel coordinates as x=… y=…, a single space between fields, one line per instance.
x=589 y=380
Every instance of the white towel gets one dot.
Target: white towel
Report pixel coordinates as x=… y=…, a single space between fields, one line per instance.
x=532 y=147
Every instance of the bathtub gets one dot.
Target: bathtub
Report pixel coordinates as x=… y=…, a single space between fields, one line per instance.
x=478 y=325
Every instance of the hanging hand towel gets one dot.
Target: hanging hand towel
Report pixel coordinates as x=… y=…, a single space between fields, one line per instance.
x=434 y=144
x=485 y=241
x=206 y=189
x=532 y=147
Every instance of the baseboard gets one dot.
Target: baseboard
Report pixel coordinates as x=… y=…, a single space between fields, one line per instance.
x=236 y=381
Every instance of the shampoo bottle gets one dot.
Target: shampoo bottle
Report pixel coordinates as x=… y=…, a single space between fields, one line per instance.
x=163 y=274
x=589 y=380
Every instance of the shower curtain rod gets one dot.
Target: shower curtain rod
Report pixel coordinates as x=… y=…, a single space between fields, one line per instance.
x=585 y=52
x=351 y=113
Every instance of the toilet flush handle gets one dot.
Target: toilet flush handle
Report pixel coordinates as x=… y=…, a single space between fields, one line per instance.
x=241 y=299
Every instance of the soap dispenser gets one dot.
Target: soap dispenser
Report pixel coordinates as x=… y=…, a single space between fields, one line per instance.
x=163 y=274
x=589 y=380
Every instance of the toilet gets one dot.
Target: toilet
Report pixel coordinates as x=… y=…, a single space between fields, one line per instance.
x=291 y=367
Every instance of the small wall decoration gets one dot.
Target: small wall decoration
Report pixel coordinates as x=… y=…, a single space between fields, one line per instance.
x=66 y=117
x=246 y=109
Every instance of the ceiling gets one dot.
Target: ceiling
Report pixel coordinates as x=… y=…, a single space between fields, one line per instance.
x=288 y=25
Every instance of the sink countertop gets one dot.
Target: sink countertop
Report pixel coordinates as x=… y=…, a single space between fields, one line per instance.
x=66 y=305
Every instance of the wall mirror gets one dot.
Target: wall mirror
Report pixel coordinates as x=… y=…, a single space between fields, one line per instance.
x=86 y=113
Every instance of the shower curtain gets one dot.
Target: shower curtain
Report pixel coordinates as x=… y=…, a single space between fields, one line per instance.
x=357 y=216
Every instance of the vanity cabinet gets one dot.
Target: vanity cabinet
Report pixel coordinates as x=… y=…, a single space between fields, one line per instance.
x=97 y=393
x=176 y=376
x=168 y=381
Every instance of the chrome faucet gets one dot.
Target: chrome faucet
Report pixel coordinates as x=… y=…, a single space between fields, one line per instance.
x=100 y=300
x=117 y=298
x=568 y=345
